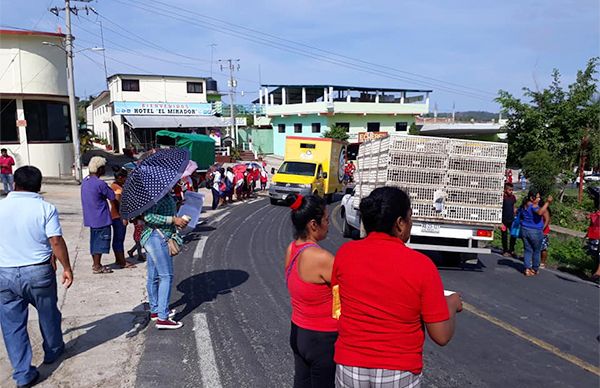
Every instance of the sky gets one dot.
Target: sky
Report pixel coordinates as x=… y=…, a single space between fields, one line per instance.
x=465 y=51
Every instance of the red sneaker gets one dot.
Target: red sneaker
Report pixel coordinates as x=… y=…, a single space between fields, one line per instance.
x=168 y=324
x=154 y=316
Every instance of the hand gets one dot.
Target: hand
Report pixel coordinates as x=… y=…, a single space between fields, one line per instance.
x=180 y=222
x=125 y=222
x=67 y=278
x=454 y=302
x=549 y=199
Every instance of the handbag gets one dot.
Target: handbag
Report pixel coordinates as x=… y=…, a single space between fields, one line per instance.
x=174 y=247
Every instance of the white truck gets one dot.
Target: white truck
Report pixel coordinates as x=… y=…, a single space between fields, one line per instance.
x=455 y=188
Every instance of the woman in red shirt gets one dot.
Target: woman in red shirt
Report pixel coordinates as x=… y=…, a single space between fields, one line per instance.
x=308 y=277
x=389 y=294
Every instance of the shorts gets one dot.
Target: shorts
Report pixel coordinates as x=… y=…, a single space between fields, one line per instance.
x=545 y=242
x=100 y=240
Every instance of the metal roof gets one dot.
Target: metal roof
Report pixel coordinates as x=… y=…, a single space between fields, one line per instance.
x=343 y=87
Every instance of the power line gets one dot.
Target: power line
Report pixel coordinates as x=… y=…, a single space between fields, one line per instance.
x=302 y=52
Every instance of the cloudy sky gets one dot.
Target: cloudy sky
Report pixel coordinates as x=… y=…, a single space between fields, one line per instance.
x=465 y=51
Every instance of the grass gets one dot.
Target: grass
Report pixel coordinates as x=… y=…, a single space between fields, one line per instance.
x=565 y=253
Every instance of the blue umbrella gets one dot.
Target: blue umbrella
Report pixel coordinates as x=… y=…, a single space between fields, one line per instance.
x=151 y=180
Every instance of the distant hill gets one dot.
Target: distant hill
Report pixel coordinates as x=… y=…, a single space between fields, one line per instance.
x=468 y=115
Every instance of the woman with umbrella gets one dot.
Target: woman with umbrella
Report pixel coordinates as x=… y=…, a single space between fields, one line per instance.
x=147 y=193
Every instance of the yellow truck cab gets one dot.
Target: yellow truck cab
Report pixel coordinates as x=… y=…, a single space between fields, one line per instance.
x=311 y=166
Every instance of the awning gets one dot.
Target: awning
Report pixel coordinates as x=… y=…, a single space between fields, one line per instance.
x=140 y=121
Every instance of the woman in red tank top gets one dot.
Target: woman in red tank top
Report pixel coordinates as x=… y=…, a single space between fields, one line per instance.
x=308 y=276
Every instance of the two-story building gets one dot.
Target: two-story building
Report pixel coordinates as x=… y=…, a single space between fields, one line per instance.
x=34 y=103
x=310 y=110
x=136 y=106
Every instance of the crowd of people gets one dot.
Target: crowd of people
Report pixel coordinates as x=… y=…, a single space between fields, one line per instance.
x=344 y=331
x=240 y=180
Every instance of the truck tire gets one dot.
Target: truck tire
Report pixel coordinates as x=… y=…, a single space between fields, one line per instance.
x=273 y=201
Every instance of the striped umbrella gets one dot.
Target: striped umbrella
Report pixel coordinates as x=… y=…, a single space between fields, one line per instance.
x=152 y=179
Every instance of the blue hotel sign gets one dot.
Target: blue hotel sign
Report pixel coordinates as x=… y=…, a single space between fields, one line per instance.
x=163 y=108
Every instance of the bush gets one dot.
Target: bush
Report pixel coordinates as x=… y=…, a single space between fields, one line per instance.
x=570 y=252
x=541 y=168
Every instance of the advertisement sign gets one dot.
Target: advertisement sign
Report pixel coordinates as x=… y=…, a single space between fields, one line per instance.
x=163 y=108
x=366 y=136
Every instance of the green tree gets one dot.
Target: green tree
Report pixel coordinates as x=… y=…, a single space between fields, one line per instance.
x=541 y=168
x=554 y=119
x=414 y=130
x=336 y=132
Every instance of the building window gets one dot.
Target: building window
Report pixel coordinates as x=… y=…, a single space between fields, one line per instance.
x=401 y=126
x=47 y=121
x=372 y=127
x=346 y=126
x=281 y=128
x=297 y=128
x=130 y=85
x=9 y=132
x=194 y=87
x=316 y=127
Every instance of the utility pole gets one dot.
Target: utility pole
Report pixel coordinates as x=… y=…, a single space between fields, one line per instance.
x=233 y=65
x=103 y=52
x=71 y=84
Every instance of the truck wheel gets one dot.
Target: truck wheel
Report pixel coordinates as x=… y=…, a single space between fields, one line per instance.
x=273 y=201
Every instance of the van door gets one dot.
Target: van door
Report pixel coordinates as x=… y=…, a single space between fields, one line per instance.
x=320 y=181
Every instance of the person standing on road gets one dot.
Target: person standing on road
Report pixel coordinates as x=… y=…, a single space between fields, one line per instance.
x=532 y=227
x=119 y=226
x=6 y=174
x=546 y=240
x=508 y=216
x=161 y=226
x=388 y=295
x=96 y=215
x=28 y=255
x=308 y=277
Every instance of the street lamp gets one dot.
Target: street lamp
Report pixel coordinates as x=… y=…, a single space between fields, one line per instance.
x=72 y=108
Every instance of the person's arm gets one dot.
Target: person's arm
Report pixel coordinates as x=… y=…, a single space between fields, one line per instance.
x=546 y=218
x=541 y=210
x=442 y=332
x=325 y=265
x=11 y=161
x=107 y=191
x=61 y=253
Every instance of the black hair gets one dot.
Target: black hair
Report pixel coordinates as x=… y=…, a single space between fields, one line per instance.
x=531 y=194
x=508 y=184
x=28 y=178
x=380 y=210
x=121 y=173
x=3 y=150
x=312 y=208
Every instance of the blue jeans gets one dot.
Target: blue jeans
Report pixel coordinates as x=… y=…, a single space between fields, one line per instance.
x=160 y=274
x=532 y=239
x=7 y=181
x=119 y=231
x=100 y=240
x=216 y=196
x=20 y=287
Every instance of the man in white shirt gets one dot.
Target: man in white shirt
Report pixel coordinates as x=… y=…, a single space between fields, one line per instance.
x=28 y=253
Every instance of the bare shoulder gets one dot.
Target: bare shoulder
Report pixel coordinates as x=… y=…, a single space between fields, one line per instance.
x=320 y=255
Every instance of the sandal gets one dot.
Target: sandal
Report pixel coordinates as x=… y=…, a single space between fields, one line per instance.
x=529 y=272
x=101 y=270
x=126 y=265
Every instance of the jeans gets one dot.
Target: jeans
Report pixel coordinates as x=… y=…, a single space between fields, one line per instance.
x=160 y=274
x=216 y=196
x=119 y=231
x=506 y=237
x=20 y=287
x=532 y=239
x=313 y=357
x=7 y=181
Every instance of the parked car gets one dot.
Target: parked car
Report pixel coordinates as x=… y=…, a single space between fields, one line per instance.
x=350 y=216
x=595 y=177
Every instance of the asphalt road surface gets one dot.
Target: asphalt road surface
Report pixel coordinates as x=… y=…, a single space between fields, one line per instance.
x=229 y=291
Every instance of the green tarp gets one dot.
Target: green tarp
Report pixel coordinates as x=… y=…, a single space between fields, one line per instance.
x=202 y=147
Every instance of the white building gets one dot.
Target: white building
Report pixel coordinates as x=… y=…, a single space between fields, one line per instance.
x=34 y=105
x=136 y=106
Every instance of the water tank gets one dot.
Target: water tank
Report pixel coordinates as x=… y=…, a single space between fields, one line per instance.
x=211 y=85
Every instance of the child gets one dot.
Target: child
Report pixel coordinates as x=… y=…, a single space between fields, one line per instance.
x=263 y=179
x=137 y=236
x=546 y=240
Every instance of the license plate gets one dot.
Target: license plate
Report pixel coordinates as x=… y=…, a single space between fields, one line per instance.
x=430 y=228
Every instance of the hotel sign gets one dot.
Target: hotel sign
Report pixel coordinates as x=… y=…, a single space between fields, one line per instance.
x=163 y=108
x=366 y=136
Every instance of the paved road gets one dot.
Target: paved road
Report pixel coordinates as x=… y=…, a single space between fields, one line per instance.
x=229 y=291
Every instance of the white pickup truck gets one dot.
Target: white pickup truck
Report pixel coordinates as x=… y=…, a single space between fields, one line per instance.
x=455 y=188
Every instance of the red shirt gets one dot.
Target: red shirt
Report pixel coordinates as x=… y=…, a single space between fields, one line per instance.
x=386 y=291
x=594 y=228
x=6 y=163
x=311 y=303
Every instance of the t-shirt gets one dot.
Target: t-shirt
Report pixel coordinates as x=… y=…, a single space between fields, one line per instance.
x=94 y=193
x=508 y=208
x=114 y=212
x=386 y=291
x=6 y=163
x=532 y=220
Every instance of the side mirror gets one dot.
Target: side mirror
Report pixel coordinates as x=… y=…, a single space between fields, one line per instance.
x=324 y=175
x=273 y=171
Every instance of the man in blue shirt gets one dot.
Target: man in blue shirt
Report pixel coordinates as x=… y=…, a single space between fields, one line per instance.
x=28 y=253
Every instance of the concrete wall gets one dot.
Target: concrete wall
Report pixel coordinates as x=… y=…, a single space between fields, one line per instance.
x=157 y=89
x=30 y=67
x=101 y=118
x=262 y=139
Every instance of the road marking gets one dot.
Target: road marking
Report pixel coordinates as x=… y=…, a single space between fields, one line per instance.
x=536 y=341
x=199 y=251
x=206 y=354
x=220 y=217
x=334 y=218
